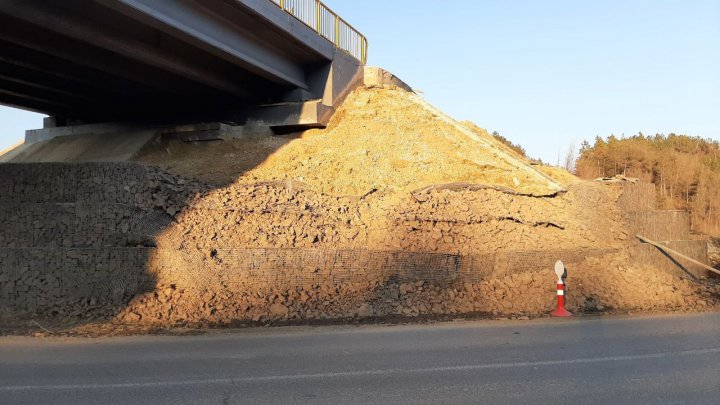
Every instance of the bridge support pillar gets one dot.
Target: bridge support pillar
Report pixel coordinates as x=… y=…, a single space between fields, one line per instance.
x=336 y=80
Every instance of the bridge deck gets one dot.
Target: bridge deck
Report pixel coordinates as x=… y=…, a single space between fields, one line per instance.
x=101 y=60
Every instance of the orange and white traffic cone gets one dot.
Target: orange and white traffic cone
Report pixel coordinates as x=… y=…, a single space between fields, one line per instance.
x=560 y=311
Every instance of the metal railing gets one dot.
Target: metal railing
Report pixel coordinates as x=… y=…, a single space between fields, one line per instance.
x=325 y=22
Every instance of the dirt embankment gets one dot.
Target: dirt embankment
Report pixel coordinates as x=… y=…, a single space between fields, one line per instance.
x=379 y=138
x=221 y=223
x=458 y=220
x=464 y=221
x=393 y=175
x=605 y=285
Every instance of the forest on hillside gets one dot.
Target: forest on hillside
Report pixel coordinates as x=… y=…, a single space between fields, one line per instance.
x=685 y=170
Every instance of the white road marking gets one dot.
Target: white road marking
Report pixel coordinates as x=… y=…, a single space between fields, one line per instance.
x=340 y=374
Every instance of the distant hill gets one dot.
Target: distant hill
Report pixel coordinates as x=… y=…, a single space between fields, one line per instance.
x=685 y=170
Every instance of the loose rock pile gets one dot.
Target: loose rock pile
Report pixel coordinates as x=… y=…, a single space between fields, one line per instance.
x=461 y=220
x=602 y=286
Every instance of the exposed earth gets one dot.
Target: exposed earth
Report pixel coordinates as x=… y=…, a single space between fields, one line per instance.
x=389 y=174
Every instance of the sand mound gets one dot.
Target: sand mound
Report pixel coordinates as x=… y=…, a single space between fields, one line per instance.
x=494 y=141
x=380 y=138
x=383 y=138
x=394 y=210
x=560 y=175
x=218 y=163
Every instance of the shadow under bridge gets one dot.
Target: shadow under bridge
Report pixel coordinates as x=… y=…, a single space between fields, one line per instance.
x=85 y=61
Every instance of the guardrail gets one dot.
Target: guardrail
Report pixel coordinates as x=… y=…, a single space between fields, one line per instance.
x=331 y=26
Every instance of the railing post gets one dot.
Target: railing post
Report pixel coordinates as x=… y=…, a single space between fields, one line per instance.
x=364 y=50
x=354 y=42
x=337 y=30
x=318 y=16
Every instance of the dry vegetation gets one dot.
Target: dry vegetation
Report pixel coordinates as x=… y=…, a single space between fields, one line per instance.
x=685 y=170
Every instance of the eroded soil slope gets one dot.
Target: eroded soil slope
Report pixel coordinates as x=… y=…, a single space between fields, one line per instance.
x=379 y=138
x=390 y=174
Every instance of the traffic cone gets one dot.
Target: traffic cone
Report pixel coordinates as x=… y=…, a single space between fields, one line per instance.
x=560 y=311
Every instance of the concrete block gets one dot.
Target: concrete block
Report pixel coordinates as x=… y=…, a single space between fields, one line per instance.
x=197 y=132
x=292 y=116
x=70 y=144
x=108 y=128
x=375 y=77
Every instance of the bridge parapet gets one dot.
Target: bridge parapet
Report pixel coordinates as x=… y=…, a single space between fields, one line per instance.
x=328 y=24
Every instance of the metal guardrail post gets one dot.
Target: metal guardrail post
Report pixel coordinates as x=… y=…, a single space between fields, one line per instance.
x=355 y=43
x=364 y=50
x=337 y=31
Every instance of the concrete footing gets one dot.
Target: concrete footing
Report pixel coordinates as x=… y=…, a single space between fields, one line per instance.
x=289 y=117
x=280 y=117
x=106 y=128
x=376 y=77
x=197 y=132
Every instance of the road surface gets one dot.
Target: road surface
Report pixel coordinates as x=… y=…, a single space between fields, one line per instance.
x=668 y=359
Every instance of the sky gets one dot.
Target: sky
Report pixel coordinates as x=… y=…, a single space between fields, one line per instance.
x=544 y=74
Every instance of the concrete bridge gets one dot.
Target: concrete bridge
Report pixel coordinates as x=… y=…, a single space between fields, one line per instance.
x=181 y=61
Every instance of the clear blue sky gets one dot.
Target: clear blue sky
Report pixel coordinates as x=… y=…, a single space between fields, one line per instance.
x=543 y=73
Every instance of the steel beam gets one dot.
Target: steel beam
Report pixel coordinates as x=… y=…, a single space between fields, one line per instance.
x=34 y=104
x=33 y=90
x=104 y=61
x=25 y=62
x=195 y=23
x=11 y=80
x=86 y=59
x=50 y=80
x=81 y=29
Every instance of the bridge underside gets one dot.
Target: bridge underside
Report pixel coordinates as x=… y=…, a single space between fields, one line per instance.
x=87 y=61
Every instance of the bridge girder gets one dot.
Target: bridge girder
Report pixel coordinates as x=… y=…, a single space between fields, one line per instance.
x=104 y=59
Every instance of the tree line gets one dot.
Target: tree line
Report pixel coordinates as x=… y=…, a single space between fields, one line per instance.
x=684 y=169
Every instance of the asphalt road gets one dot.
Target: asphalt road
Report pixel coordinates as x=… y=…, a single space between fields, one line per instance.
x=670 y=359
